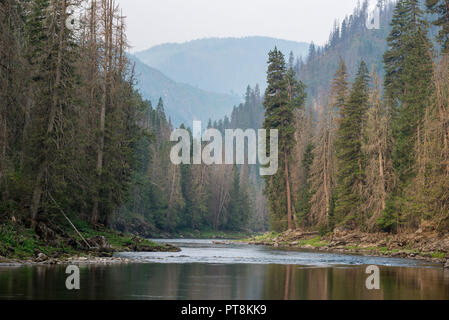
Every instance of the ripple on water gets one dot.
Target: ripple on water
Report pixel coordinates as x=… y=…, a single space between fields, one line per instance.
x=205 y=251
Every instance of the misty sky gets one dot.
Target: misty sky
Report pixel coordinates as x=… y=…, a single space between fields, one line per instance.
x=152 y=22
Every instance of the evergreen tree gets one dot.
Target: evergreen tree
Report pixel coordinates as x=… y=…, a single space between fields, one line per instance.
x=408 y=75
x=282 y=97
x=52 y=54
x=291 y=60
x=237 y=209
x=350 y=160
x=339 y=90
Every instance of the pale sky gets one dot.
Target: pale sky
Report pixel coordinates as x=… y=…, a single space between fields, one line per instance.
x=153 y=22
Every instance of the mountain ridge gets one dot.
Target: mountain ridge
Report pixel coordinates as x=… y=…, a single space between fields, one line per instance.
x=224 y=65
x=183 y=103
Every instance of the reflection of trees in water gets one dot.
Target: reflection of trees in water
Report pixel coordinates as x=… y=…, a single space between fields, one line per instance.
x=223 y=281
x=340 y=283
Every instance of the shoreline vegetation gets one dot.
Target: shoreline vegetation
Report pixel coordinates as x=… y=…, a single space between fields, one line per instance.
x=46 y=244
x=57 y=242
x=20 y=245
x=423 y=244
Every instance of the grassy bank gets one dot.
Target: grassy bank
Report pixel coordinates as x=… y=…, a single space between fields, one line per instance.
x=23 y=243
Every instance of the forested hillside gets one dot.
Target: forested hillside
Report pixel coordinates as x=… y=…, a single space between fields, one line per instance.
x=378 y=156
x=69 y=111
x=349 y=40
x=225 y=65
x=78 y=139
x=191 y=198
x=363 y=128
x=183 y=102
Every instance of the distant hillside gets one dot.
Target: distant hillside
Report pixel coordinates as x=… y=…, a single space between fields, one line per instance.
x=351 y=41
x=225 y=65
x=182 y=102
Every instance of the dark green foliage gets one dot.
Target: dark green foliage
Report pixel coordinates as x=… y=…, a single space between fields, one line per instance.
x=54 y=120
x=348 y=150
x=408 y=77
x=238 y=207
x=389 y=220
x=283 y=96
x=305 y=193
x=408 y=73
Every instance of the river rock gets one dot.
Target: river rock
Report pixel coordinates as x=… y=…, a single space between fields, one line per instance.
x=446 y=266
x=100 y=243
x=41 y=257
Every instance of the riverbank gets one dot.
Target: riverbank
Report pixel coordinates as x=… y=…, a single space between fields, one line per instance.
x=46 y=244
x=422 y=245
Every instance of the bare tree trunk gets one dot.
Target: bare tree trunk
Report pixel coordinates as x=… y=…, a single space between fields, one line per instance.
x=289 y=201
x=106 y=69
x=326 y=178
x=382 y=177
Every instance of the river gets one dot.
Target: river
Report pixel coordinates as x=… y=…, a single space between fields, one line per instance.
x=205 y=270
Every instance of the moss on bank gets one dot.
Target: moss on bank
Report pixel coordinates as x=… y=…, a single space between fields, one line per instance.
x=18 y=242
x=22 y=243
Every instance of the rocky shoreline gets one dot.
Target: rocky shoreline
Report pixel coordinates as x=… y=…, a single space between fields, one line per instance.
x=75 y=260
x=421 y=245
x=100 y=252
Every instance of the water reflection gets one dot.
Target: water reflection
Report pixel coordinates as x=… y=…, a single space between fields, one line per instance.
x=223 y=281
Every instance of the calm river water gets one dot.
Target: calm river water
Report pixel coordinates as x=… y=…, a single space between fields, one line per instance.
x=204 y=270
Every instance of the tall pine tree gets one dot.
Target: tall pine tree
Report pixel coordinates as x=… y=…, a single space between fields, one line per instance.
x=283 y=96
x=350 y=159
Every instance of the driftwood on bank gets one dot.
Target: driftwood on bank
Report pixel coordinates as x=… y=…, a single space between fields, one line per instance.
x=73 y=226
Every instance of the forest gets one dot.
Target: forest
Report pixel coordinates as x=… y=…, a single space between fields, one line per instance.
x=77 y=137
x=363 y=124
x=378 y=156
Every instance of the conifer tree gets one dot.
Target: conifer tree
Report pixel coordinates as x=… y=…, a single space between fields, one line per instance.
x=408 y=73
x=51 y=54
x=13 y=84
x=339 y=90
x=427 y=197
x=350 y=159
x=283 y=96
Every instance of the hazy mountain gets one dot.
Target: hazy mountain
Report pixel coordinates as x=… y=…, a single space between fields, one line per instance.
x=183 y=103
x=225 y=65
